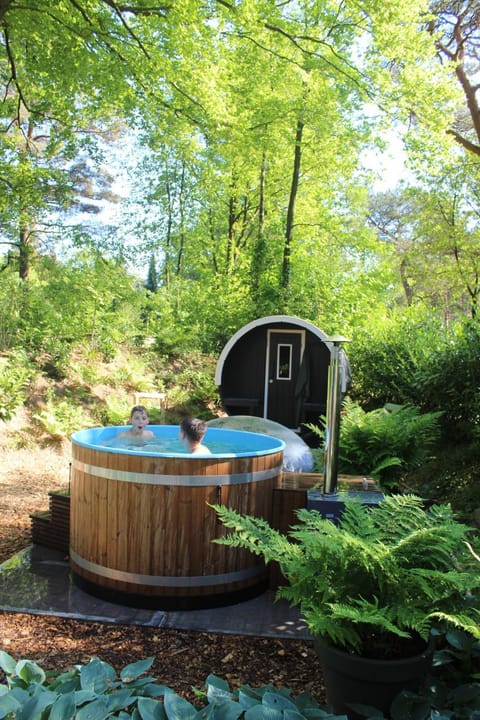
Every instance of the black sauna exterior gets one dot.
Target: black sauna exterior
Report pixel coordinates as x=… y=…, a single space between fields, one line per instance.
x=277 y=368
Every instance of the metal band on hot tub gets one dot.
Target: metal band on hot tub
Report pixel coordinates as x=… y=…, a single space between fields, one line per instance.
x=188 y=480
x=164 y=580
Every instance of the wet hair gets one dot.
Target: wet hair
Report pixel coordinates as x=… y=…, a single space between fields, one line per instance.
x=194 y=428
x=138 y=408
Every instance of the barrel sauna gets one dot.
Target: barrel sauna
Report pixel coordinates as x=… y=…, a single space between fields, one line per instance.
x=141 y=528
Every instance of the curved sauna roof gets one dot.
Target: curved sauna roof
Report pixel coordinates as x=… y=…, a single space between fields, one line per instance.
x=271 y=319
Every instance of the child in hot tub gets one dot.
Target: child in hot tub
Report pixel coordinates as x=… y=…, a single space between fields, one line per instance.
x=192 y=431
x=137 y=434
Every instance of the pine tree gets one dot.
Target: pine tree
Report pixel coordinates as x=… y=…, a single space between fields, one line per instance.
x=152 y=281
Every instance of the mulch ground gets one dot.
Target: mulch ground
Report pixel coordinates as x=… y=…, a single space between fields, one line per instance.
x=182 y=660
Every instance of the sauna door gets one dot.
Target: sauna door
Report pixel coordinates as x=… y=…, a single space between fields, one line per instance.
x=284 y=355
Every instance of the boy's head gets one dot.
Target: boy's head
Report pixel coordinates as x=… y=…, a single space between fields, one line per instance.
x=139 y=415
x=193 y=429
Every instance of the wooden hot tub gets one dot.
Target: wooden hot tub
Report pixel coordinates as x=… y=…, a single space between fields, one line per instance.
x=141 y=529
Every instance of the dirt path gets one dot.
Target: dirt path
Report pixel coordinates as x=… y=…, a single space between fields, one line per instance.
x=27 y=474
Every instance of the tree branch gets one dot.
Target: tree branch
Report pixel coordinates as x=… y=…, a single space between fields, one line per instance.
x=467 y=144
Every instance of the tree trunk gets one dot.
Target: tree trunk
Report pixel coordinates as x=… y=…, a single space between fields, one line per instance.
x=24 y=253
x=181 y=204
x=405 y=283
x=258 y=256
x=291 y=208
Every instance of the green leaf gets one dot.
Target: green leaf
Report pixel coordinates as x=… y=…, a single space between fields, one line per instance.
x=7 y=663
x=63 y=708
x=149 y=709
x=292 y=715
x=177 y=707
x=141 y=683
x=278 y=701
x=466 y=694
x=263 y=712
x=8 y=704
x=96 y=710
x=228 y=710
x=248 y=697
x=30 y=672
x=120 y=699
x=33 y=709
x=97 y=676
x=155 y=690
x=458 y=639
x=217 y=689
x=84 y=696
x=134 y=670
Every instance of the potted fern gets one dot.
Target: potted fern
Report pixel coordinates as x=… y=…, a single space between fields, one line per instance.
x=371 y=588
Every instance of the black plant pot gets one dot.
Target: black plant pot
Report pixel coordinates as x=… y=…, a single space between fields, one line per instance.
x=352 y=679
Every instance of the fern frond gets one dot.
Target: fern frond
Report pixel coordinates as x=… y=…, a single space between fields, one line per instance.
x=368 y=613
x=256 y=535
x=430 y=547
x=462 y=621
x=397 y=515
x=357 y=520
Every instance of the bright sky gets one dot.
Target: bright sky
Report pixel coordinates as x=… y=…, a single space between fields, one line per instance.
x=389 y=165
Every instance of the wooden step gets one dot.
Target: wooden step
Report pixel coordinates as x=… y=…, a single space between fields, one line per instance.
x=51 y=528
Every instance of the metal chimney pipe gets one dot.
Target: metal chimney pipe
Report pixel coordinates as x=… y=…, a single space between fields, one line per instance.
x=332 y=430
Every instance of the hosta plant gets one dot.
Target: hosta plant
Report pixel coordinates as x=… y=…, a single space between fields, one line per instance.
x=95 y=691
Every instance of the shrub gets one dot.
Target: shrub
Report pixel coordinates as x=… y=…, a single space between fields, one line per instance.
x=191 y=386
x=453 y=476
x=131 y=371
x=384 y=443
x=116 y=410
x=449 y=380
x=14 y=379
x=378 y=575
x=413 y=361
x=60 y=418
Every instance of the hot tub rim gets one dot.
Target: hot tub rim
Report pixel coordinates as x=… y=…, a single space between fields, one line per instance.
x=274 y=444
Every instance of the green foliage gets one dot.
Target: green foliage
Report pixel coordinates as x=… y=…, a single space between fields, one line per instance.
x=15 y=374
x=131 y=371
x=393 y=571
x=450 y=380
x=385 y=355
x=115 y=411
x=453 y=476
x=190 y=384
x=453 y=689
x=86 y=365
x=95 y=692
x=384 y=443
x=86 y=300
x=11 y=292
x=415 y=361
x=60 y=418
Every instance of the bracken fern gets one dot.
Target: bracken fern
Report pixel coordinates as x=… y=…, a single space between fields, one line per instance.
x=392 y=570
